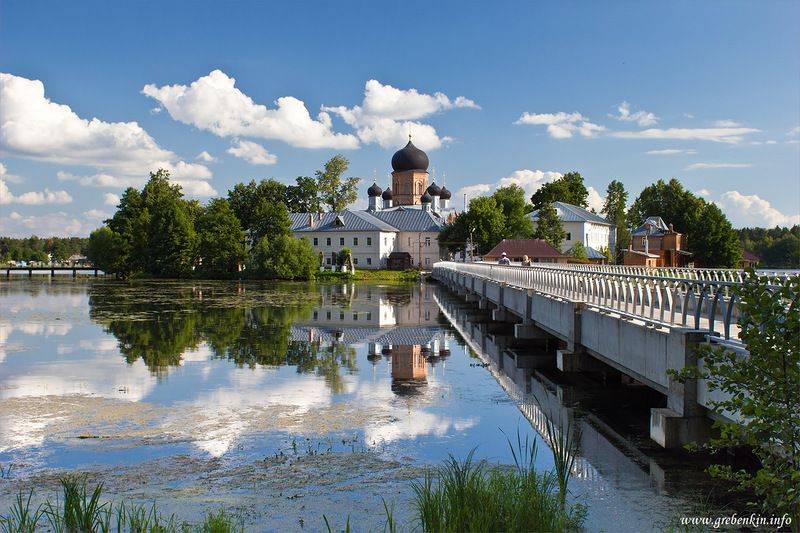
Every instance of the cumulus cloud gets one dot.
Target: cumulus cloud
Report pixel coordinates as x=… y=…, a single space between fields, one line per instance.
x=703 y=192
x=725 y=135
x=387 y=115
x=699 y=166
x=205 y=157
x=751 y=210
x=671 y=151
x=595 y=199
x=727 y=124
x=110 y=198
x=96 y=214
x=33 y=197
x=58 y=224
x=530 y=180
x=561 y=125
x=214 y=103
x=34 y=127
x=641 y=117
x=253 y=153
x=9 y=178
x=186 y=175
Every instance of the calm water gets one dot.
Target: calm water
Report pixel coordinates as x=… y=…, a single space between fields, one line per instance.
x=287 y=401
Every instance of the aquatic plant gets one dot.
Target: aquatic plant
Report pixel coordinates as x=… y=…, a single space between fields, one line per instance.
x=329 y=529
x=221 y=522
x=79 y=510
x=21 y=518
x=5 y=472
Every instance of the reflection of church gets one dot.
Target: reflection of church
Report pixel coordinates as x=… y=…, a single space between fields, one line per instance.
x=399 y=324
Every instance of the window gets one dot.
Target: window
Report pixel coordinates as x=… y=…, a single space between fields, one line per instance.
x=328 y=315
x=409 y=241
x=341 y=241
x=341 y=316
x=569 y=236
x=386 y=241
x=369 y=260
x=316 y=315
x=355 y=317
x=369 y=316
x=355 y=260
x=328 y=241
x=427 y=241
x=316 y=241
x=427 y=260
x=355 y=241
x=328 y=261
x=369 y=241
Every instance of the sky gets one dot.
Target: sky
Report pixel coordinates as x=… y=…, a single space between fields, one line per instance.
x=95 y=95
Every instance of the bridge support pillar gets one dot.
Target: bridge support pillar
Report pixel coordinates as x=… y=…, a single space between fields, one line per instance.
x=529 y=331
x=572 y=361
x=484 y=304
x=684 y=420
x=502 y=315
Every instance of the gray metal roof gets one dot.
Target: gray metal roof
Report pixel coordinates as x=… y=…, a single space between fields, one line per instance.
x=591 y=253
x=342 y=221
x=392 y=220
x=573 y=213
x=652 y=226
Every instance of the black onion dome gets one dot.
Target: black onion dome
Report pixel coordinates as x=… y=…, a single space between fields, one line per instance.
x=434 y=190
x=445 y=194
x=409 y=158
x=387 y=194
x=374 y=190
x=426 y=198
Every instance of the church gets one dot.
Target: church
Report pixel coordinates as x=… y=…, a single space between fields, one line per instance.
x=400 y=227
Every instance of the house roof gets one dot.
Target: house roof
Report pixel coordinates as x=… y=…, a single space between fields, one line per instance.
x=637 y=252
x=391 y=220
x=591 y=253
x=652 y=226
x=750 y=256
x=573 y=213
x=519 y=247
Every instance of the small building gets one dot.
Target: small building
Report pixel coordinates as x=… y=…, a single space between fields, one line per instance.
x=536 y=251
x=639 y=258
x=749 y=260
x=582 y=226
x=77 y=260
x=655 y=237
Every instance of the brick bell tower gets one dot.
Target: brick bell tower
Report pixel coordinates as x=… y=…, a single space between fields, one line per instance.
x=409 y=175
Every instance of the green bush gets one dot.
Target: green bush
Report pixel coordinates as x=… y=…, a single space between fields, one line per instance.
x=283 y=257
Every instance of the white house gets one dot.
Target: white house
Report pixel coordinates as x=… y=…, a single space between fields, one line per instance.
x=581 y=225
x=387 y=234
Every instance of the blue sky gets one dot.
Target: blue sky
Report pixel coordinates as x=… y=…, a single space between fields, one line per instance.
x=497 y=93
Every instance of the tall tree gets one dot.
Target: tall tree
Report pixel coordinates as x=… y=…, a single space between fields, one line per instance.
x=271 y=219
x=283 y=257
x=244 y=199
x=486 y=222
x=335 y=191
x=548 y=226
x=714 y=242
x=569 y=188
x=221 y=239
x=511 y=200
x=104 y=250
x=303 y=197
x=614 y=209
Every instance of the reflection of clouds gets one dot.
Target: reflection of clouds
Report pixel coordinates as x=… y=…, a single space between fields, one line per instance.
x=415 y=424
x=21 y=432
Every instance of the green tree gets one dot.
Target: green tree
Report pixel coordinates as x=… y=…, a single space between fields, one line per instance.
x=578 y=251
x=511 y=200
x=130 y=224
x=221 y=239
x=783 y=252
x=614 y=209
x=569 y=188
x=548 y=226
x=486 y=221
x=303 y=197
x=713 y=240
x=764 y=387
x=283 y=257
x=335 y=191
x=244 y=199
x=104 y=250
x=271 y=220
x=453 y=236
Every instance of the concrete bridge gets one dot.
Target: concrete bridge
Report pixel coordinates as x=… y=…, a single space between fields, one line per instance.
x=52 y=270
x=639 y=322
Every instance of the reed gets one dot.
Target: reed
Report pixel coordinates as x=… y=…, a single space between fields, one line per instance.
x=21 y=517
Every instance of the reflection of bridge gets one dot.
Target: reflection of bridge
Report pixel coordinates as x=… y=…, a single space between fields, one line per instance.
x=641 y=322
x=52 y=270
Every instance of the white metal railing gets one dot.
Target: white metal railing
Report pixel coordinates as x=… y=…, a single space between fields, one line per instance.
x=703 y=304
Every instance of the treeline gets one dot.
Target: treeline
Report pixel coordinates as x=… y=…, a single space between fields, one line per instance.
x=505 y=215
x=157 y=232
x=777 y=247
x=37 y=249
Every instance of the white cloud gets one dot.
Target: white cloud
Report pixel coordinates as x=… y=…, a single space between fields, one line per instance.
x=33 y=197
x=472 y=191
x=727 y=124
x=751 y=210
x=96 y=214
x=641 y=117
x=213 y=103
x=561 y=125
x=703 y=192
x=253 y=153
x=110 y=198
x=387 y=115
x=697 y=166
x=9 y=178
x=794 y=131
x=184 y=174
x=671 y=151
x=34 y=127
x=595 y=200
x=529 y=180
x=726 y=135
x=205 y=157
x=58 y=224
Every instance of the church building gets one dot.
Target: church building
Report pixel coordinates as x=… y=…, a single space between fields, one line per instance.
x=400 y=227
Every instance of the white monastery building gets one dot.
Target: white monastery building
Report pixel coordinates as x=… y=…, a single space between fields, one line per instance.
x=399 y=229
x=581 y=225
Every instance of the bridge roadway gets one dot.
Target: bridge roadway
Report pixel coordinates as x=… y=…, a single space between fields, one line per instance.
x=52 y=270
x=641 y=322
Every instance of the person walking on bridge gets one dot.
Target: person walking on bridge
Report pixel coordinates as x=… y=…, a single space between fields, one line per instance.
x=503 y=259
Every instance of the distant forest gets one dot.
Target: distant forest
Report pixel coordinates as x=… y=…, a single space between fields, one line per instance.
x=777 y=247
x=36 y=249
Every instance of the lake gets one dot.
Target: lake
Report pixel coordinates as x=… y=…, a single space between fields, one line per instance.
x=286 y=402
